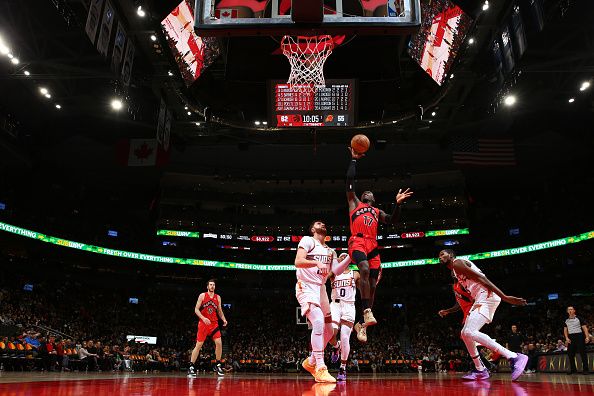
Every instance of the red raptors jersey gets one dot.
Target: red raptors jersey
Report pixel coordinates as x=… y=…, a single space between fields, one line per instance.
x=463 y=298
x=364 y=219
x=209 y=307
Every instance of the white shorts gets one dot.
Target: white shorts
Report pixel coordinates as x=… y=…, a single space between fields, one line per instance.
x=343 y=311
x=310 y=293
x=486 y=306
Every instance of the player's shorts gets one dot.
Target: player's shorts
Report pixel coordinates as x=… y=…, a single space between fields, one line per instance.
x=205 y=331
x=310 y=293
x=368 y=246
x=343 y=311
x=486 y=305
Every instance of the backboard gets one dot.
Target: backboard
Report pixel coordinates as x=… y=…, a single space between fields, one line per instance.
x=273 y=17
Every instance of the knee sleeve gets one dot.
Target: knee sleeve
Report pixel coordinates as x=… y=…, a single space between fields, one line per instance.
x=316 y=317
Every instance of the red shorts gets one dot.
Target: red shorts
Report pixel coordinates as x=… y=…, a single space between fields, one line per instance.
x=367 y=246
x=211 y=331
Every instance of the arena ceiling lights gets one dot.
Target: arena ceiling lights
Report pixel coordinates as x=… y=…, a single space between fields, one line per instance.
x=279 y=267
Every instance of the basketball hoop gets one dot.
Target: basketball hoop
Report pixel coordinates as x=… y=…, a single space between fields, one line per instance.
x=307 y=55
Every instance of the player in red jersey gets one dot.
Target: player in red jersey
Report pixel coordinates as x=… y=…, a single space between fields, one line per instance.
x=464 y=302
x=364 y=219
x=208 y=309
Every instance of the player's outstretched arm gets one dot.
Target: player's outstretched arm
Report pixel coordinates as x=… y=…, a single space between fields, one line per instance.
x=221 y=313
x=444 y=312
x=461 y=268
x=395 y=216
x=340 y=264
x=350 y=180
x=197 y=309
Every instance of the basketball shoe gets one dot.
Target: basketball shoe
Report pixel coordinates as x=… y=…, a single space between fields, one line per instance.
x=322 y=375
x=361 y=332
x=476 y=375
x=368 y=317
x=335 y=353
x=341 y=377
x=518 y=365
x=310 y=368
x=191 y=372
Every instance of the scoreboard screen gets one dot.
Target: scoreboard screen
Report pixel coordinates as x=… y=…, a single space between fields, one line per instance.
x=329 y=106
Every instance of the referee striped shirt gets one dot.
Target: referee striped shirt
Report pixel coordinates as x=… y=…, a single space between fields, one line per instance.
x=574 y=325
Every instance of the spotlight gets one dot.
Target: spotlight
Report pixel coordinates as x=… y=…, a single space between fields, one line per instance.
x=43 y=91
x=471 y=41
x=140 y=12
x=153 y=37
x=4 y=50
x=197 y=123
x=451 y=75
x=257 y=122
x=185 y=107
x=264 y=122
x=509 y=100
x=433 y=114
x=585 y=85
x=169 y=73
x=10 y=56
x=48 y=96
x=486 y=6
x=189 y=113
x=15 y=61
x=26 y=72
x=58 y=106
x=571 y=100
x=117 y=104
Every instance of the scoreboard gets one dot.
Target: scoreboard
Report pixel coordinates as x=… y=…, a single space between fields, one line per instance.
x=329 y=106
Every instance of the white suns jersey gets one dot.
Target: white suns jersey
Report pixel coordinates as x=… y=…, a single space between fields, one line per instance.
x=474 y=288
x=343 y=287
x=318 y=252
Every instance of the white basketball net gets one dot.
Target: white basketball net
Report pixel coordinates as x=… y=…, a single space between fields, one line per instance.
x=307 y=56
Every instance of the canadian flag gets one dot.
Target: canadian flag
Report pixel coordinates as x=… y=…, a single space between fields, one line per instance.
x=137 y=152
x=225 y=13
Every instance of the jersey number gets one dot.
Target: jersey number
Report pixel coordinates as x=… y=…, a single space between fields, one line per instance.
x=368 y=220
x=342 y=292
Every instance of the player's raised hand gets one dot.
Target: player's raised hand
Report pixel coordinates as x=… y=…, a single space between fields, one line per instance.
x=342 y=256
x=443 y=313
x=514 y=300
x=355 y=154
x=322 y=268
x=206 y=321
x=403 y=195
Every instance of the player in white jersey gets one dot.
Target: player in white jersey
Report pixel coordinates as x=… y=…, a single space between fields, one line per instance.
x=342 y=306
x=314 y=261
x=486 y=297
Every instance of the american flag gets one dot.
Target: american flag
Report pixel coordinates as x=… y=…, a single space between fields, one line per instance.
x=483 y=152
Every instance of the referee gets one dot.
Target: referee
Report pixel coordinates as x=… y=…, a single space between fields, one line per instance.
x=576 y=337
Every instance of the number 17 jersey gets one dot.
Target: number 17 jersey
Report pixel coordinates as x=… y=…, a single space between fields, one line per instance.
x=364 y=221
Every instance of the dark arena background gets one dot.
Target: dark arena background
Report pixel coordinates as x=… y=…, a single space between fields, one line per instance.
x=148 y=147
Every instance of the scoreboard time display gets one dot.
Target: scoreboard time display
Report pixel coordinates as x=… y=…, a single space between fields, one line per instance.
x=329 y=106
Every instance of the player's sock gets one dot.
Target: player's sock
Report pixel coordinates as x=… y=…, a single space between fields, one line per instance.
x=312 y=359
x=319 y=356
x=478 y=363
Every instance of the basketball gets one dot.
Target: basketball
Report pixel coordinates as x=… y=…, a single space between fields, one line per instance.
x=360 y=143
